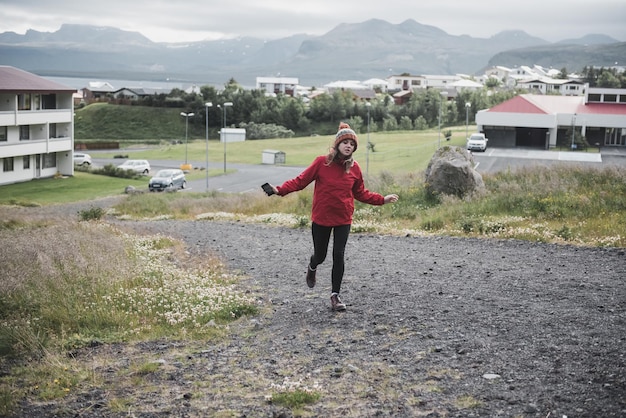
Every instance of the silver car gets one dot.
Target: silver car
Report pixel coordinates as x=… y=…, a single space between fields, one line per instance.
x=168 y=179
x=82 y=159
x=477 y=142
x=138 y=166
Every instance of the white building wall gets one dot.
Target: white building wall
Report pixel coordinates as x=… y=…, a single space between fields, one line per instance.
x=40 y=141
x=515 y=119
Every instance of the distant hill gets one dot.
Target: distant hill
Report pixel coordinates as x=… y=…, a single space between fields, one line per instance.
x=371 y=49
x=570 y=56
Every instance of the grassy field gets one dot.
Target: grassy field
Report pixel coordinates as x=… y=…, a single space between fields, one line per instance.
x=396 y=152
x=82 y=186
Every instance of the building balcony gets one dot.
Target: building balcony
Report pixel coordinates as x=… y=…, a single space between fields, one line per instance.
x=33 y=117
x=39 y=146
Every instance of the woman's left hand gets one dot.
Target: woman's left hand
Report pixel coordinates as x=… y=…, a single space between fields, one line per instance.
x=391 y=198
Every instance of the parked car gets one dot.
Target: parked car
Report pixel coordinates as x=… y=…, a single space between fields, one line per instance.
x=168 y=179
x=139 y=166
x=477 y=142
x=82 y=159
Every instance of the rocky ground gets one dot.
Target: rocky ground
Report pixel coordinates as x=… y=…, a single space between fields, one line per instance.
x=435 y=327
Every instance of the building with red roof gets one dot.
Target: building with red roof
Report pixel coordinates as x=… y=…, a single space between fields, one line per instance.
x=36 y=127
x=540 y=121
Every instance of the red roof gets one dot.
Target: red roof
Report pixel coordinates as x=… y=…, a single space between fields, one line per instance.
x=549 y=104
x=605 y=109
x=15 y=80
x=518 y=104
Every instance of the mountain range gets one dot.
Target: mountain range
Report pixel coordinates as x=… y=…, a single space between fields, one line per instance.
x=371 y=49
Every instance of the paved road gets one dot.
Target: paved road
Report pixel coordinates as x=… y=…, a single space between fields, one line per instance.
x=249 y=178
x=498 y=159
x=245 y=178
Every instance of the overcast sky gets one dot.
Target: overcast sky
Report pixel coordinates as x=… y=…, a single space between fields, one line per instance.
x=171 y=21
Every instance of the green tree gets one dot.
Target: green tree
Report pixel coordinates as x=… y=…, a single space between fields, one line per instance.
x=390 y=124
x=291 y=112
x=563 y=74
x=492 y=83
x=608 y=80
x=406 y=124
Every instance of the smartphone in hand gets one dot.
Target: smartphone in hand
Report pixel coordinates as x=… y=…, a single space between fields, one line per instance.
x=267 y=189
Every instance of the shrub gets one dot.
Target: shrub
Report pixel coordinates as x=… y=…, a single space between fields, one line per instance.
x=113 y=171
x=91 y=214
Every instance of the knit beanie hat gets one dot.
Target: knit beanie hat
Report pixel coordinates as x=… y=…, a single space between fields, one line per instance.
x=345 y=132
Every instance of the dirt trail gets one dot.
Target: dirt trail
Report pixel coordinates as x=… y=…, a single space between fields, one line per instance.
x=435 y=326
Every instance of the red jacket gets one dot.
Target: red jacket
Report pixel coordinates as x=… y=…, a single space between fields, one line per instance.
x=335 y=191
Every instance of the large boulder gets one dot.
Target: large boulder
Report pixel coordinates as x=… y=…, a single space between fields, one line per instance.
x=451 y=172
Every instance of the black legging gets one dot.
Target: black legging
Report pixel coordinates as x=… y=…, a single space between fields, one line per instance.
x=321 y=238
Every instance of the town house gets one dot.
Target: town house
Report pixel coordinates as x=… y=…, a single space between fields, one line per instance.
x=36 y=127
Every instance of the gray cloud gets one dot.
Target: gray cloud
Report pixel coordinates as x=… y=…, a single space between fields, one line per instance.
x=167 y=21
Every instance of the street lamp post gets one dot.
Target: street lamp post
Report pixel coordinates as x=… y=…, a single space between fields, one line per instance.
x=187 y=116
x=223 y=134
x=443 y=94
x=367 y=149
x=573 y=131
x=207 y=105
x=467 y=106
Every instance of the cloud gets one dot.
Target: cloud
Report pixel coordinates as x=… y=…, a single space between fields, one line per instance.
x=167 y=21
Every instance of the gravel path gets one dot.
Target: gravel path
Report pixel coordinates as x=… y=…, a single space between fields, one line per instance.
x=435 y=326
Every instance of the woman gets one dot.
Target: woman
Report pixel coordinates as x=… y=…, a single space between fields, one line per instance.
x=338 y=181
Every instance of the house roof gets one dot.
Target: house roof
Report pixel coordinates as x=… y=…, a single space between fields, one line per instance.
x=359 y=93
x=466 y=83
x=542 y=104
x=16 y=81
x=143 y=91
x=100 y=86
x=346 y=85
x=402 y=93
x=552 y=81
x=375 y=82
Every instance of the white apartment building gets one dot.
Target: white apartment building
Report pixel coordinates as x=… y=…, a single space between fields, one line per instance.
x=547 y=85
x=414 y=82
x=277 y=85
x=36 y=127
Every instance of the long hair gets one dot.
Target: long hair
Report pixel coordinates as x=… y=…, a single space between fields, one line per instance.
x=333 y=155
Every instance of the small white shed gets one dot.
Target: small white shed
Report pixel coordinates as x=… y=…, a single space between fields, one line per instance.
x=271 y=156
x=232 y=135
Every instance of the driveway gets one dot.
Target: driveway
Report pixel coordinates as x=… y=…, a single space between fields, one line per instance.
x=498 y=159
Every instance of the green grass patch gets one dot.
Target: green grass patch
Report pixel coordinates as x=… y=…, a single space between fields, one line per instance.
x=395 y=152
x=82 y=186
x=295 y=399
x=104 y=120
x=79 y=283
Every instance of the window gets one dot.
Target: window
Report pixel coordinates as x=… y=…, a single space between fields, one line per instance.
x=610 y=98
x=53 y=130
x=49 y=160
x=7 y=164
x=26 y=162
x=593 y=98
x=36 y=101
x=48 y=101
x=3 y=134
x=24 y=133
x=23 y=101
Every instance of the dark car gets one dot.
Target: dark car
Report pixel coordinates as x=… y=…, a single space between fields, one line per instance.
x=168 y=179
